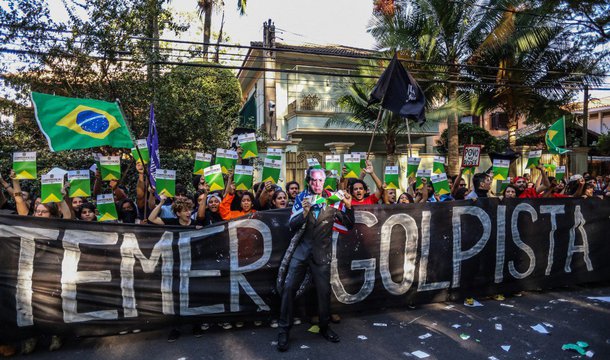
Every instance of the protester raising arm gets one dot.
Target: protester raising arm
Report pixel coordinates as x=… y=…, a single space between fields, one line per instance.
x=371 y=171
x=545 y=183
x=97 y=184
x=20 y=204
x=141 y=186
x=154 y=214
x=65 y=206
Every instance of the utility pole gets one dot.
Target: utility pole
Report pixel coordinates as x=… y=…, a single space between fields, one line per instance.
x=585 y=117
x=269 y=79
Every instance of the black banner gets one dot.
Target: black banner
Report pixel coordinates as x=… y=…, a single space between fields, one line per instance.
x=60 y=276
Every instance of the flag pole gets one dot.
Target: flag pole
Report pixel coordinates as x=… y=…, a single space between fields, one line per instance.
x=135 y=143
x=409 y=137
x=368 y=153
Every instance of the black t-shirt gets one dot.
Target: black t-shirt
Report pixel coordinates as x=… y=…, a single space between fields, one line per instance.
x=211 y=218
x=176 y=222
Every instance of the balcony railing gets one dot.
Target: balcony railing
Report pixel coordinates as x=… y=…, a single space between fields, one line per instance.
x=314 y=106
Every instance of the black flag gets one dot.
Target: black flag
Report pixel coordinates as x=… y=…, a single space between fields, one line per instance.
x=399 y=92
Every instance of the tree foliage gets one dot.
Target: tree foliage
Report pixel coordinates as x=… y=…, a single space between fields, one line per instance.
x=479 y=136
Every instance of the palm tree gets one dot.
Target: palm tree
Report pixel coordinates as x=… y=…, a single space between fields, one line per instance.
x=205 y=8
x=441 y=37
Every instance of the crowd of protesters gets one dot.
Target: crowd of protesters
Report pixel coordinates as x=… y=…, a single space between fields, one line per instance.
x=206 y=207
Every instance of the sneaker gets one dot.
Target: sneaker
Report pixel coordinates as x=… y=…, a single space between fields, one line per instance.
x=205 y=326
x=274 y=324
x=28 y=345
x=226 y=325
x=197 y=331
x=258 y=323
x=239 y=324
x=518 y=294
x=56 y=343
x=329 y=335
x=296 y=321
x=173 y=335
x=499 y=297
x=469 y=301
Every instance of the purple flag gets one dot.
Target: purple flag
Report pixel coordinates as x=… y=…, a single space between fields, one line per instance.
x=153 y=147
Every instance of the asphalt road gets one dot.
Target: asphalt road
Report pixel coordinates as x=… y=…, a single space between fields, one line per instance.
x=442 y=331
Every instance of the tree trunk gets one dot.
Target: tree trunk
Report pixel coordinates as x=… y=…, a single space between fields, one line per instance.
x=222 y=24
x=207 y=26
x=453 y=153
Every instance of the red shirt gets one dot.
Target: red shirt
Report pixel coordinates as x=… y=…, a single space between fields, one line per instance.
x=369 y=200
x=529 y=193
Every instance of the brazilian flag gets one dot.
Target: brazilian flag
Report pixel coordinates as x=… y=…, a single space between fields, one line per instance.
x=70 y=123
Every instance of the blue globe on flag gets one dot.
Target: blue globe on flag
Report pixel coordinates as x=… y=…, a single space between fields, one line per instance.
x=92 y=121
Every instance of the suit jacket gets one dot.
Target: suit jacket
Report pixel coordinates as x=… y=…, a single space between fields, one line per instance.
x=317 y=238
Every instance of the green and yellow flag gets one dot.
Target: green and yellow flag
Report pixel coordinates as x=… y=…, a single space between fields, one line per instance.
x=412 y=166
x=440 y=183
x=500 y=169
x=271 y=170
x=51 y=188
x=24 y=165
x=533 y=159
x=248 y=144
x=166 y=182
x=438 y=166
x=70 y=123
x=213 y=177
x=391 y=177
x=110 y=167
x=420 y=175
x=243 y=177
x=555 y=137
x=330 y=183
x=143 y=147
x=333 y=162
x=560 y=173
x=227 y=159
x=353 y=165
x=80 y=183
x=273 y=153
x=202 y=161
x=106 y=207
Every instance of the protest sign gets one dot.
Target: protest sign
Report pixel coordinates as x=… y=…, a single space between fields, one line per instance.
x=500 y=169
x=353 y=165
x=391 y=177
x=271 y=170
x=242 y=178
x=51 y=187
x=110 y=167
x=106 y=208
x=273 y=153
x=80 y=183
x=438 y=166
x=333 y=162
x=143 y=147
x=533 y=159
x=247 y=142
x=412 y=166
x=440 y=183
x=24 y=165
x=202 y=161
x=213 y=177
x=227 y=159
x=471 y=156
x=166 y=182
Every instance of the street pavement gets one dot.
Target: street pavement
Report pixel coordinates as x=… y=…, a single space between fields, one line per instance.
x=497 y=329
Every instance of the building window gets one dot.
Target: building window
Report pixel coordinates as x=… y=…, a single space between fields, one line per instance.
x=499 y=121
x=471 y=119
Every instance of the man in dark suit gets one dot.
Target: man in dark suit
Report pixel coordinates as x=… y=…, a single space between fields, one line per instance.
x=319 y=219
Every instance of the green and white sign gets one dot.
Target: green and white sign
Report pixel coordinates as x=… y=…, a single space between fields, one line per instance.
x=273 y=153
x=333 y=162
x=213 y=177
x=110 y=167
x=227 y=159
x=80 y=183
x=468 y=170
x=96 y=162
x=412 y=166
x=106 y=207
x=533 y=159
x=391 y=177
x=352 y=163
x=362 y=158
x=271 y=170
x=440 y=183
x=143 y=147
x=243 y=177
x=51 y=187
x=438 y=167
x=313 y=162
x=24 y=165
x=248 y=144
x=560 y=173
x=335 y=197
x=550 y=167
x=500 y=169
x=202 y=161
x=330 y=183
x=420 y=175
x=166 y=182
x=502 y=184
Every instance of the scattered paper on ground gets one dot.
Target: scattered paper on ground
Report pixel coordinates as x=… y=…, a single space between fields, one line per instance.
x=507 y=305
x=380 y=324
x=420 y=354
x=505 y=347
x=314 y=329
x=455 y=326
x=449 y=306
x=600 y=298
x=475 y=303
x=540 y=328
x=362 y=337
x=465 y=336
x=498 y=326
x=304 y=347
x=493 y=358
x=425 y=336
